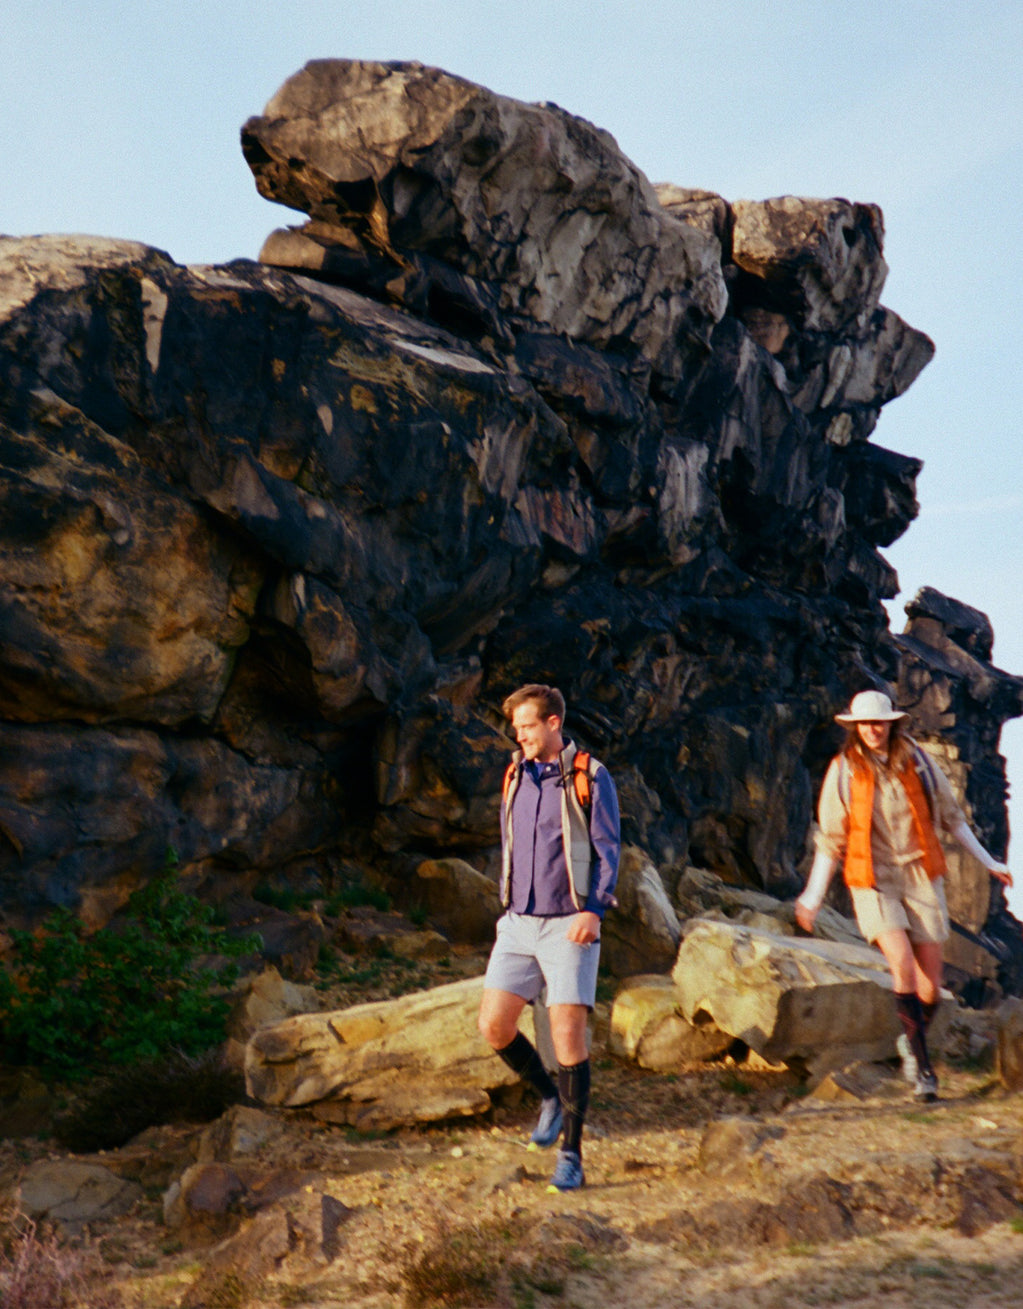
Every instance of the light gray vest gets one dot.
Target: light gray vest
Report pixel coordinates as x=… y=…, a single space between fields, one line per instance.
x=575 y=828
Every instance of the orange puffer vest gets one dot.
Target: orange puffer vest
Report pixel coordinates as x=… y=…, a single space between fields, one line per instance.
x=859 y=866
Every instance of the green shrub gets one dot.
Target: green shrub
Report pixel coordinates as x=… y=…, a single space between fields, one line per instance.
x=285 y=898
x=355 y=895
x=73 y=1003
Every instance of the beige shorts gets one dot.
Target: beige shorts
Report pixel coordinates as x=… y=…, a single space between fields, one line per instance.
x=903 y=899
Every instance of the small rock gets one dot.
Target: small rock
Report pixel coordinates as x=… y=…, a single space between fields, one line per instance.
x=856 y=1082
x=241 y=1131
x=72 y=1194
x=1010 y=1044
x=729 y=1144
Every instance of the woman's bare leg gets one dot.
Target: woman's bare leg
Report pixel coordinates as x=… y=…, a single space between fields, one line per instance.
x=902 y=963
x=929 y=970
x=913 y=967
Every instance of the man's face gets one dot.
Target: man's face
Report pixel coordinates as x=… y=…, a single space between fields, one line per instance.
x=538 y=738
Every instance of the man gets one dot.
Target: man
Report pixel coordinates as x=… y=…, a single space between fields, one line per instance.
x=560 y=843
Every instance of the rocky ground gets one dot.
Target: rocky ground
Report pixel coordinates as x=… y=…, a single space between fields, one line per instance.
x=722 y=1185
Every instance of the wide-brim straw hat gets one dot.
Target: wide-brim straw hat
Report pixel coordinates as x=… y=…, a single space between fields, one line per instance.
x=870 y=707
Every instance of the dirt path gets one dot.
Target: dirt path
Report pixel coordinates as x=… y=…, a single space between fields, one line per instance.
x=717 y=1187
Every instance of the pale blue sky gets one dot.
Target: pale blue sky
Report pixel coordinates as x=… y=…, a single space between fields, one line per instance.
x=121 y=117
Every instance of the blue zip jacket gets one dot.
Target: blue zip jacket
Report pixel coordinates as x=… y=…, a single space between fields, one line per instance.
x=539 y=870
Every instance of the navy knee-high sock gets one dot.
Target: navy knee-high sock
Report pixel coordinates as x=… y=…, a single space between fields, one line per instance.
x=914 y=1024
x=574 y=1089
x=521 y=1057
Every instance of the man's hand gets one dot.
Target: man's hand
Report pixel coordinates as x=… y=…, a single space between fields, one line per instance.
x=584 y=928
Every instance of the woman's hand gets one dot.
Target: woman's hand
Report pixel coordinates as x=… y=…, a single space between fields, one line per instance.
x=805 y=916
x=1002 y=875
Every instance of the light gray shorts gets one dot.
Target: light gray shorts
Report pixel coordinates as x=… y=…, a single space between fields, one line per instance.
x=903 y=899
x=531 y=953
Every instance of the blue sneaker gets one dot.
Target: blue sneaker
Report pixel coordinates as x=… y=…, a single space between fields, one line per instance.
x=568 y=1175
x=548 y=1127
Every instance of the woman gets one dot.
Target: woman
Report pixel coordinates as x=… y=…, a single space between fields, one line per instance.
x=880 y=805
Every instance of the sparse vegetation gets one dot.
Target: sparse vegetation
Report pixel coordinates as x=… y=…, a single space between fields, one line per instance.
x=285 y=898
x=174 y=1087
x=355 y=895
x=37 y=1272
x=224 y=1289
x=499 y=1262
x=352 y=979
x=149 y=982
x=461 y=1265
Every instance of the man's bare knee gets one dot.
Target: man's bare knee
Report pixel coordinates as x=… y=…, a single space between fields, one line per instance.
x=498 y=1021
x=492 y=1032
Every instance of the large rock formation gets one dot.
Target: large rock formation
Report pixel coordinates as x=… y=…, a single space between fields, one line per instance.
x=958 y=703
x=277 y=537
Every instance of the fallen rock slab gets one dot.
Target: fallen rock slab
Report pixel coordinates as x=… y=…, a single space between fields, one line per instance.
x=411 y=1060
x=856 y=1083
x=301 y=1232
x=461 y=902
x=818 y=1003
x=268 y=998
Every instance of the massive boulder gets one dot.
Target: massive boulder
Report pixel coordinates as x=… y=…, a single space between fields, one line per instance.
x=537 y=206
x=278 y=536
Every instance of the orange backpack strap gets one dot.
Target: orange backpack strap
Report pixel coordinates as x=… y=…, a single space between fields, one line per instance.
x=509 y=773
x=581 y=777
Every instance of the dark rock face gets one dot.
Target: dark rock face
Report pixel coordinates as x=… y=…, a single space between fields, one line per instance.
x=958 y=703
x=277 y=538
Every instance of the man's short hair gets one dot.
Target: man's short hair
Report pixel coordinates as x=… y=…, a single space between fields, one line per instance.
x=549 y=701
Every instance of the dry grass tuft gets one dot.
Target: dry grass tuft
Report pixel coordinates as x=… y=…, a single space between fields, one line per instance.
x=503 y=1262
x=37 y=1272
x=173 y=1088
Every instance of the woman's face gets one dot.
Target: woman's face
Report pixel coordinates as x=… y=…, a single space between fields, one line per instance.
x=875 y=736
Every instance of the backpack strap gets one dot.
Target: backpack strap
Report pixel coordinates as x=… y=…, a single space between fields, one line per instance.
x=843 y=780
x=925 y=770
x=581 y=777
